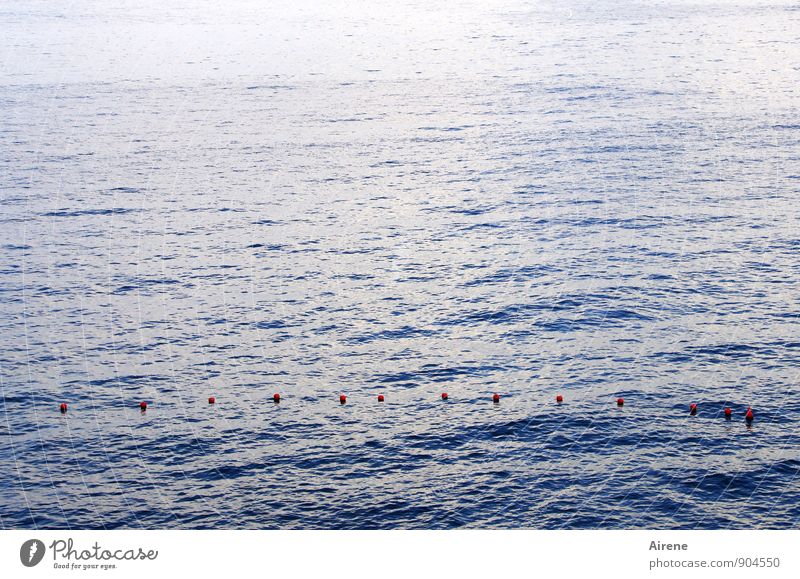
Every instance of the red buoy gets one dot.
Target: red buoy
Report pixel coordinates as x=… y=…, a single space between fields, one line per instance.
x=342 y=399
x=143 y=406
x=63 y=407
x=276 y=397
x=444 y=395
x=749 y=415
x=559 y=398
x=728 y=412
x=692 y=409
x=620 y=401
x=496 y=398
x=211 y=400
x=380 y=397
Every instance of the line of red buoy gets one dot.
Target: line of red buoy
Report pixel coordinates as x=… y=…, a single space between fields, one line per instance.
x=749 y=416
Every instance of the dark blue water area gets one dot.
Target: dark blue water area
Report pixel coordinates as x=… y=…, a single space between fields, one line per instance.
x=588 y=199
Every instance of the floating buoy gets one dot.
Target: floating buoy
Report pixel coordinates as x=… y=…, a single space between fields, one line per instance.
x=342 y=399
x=276 y=398
x=559 y=399
x=620 y=401
x=380 y=397
x=63 y=407
x=444 y=395
x=692 y=409
x=728 y=413
x=749 y=415
x=496 y=398
x=143 y=406
x=211 y=400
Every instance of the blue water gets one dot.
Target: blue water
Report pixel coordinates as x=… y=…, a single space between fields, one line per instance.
x=594 y=199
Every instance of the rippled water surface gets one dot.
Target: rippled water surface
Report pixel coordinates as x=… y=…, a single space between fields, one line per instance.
x=593 y=199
